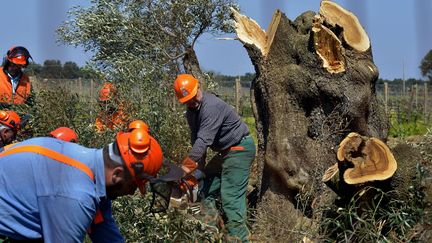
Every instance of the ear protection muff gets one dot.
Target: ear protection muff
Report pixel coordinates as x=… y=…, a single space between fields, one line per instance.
x=4 y=116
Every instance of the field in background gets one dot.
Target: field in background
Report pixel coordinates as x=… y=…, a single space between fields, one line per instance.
x=409 y=107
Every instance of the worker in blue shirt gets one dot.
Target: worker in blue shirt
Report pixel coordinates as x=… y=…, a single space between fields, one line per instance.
x=103 y=225
x=53 y=189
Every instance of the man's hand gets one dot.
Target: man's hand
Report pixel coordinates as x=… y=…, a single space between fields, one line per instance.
x=189 y=165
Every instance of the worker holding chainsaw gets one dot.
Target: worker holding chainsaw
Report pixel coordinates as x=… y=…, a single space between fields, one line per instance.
x=62 y=185
x=215 y=124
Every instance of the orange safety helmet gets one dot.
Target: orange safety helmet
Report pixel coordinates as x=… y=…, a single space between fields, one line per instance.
x=65 y=134
x=10 y=119
x=138 y=124
x=107 y=91
x=140 y=156
x=18 y=55
x=185 y=87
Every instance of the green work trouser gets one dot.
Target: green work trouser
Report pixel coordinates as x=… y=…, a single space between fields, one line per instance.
x=227 y=175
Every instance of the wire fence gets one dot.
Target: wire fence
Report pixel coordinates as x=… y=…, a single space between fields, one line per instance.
x=400 y=99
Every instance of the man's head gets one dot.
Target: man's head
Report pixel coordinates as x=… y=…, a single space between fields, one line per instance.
x=9 y=125
x=65 y=134
x=130 y=162
x=16 y=58
x=187 y=90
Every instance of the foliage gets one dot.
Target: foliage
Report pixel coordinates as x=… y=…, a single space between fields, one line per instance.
x=426 y=65
x=218 y=77
x=405 y=124
x=51 y=69
x=172 y=226
x=140 y=46
x=71 y=70
x=136 y=38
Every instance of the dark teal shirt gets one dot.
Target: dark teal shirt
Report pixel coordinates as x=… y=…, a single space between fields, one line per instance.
x=216 y=125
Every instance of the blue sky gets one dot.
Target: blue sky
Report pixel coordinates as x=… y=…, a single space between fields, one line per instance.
x=400 y=32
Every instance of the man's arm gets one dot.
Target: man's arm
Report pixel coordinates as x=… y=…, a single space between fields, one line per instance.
x=107 y=230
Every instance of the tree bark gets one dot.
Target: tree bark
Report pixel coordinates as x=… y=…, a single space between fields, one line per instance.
x=191 y=66
x=312 y=88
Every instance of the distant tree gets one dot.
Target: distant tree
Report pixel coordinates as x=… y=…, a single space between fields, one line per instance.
x=52 y=69
x=426 y=65
x=88 y=73
x=248 y=76
x=71 y=70
x=33 y=69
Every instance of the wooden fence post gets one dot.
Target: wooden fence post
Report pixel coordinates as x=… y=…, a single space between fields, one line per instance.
x=425 y=115
x=237 y=94
x=91 y=90
x=386 y=96
x=416 y=95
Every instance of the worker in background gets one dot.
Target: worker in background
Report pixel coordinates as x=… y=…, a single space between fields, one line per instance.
x=138 y=124
x=14 y=84
x=215 y=124
x=111 y=115
x=72 y=181
x=65 y=134
x=9 y=126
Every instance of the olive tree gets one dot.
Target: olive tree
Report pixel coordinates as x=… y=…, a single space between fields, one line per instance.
x=142 y=45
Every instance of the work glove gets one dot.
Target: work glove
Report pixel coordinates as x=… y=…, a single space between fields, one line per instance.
x=189 y=165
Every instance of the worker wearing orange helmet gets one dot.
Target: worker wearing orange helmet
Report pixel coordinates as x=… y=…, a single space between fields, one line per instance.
x=215 y=124
x=65 y=134
x=14 y=84
x=111 y=115
x=138 y=124
x=9 y=126
x=72 y=181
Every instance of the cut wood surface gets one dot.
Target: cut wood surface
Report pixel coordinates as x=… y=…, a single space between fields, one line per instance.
x=353 y=33
x=372 y=160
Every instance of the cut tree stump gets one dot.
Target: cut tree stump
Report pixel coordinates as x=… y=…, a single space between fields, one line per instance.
x=315 y=83
x=362 y=161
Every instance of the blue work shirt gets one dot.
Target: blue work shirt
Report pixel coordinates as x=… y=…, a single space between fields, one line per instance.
x=43 y=198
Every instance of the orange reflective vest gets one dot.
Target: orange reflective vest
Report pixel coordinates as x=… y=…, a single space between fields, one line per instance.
x=22 y=91
x=50 y=154
x=117 y=119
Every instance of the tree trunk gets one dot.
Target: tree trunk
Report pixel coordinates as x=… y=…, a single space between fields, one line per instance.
x=315 y=83
x=191 y=66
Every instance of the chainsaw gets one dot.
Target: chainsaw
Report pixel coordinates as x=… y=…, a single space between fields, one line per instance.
x=173 y=187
